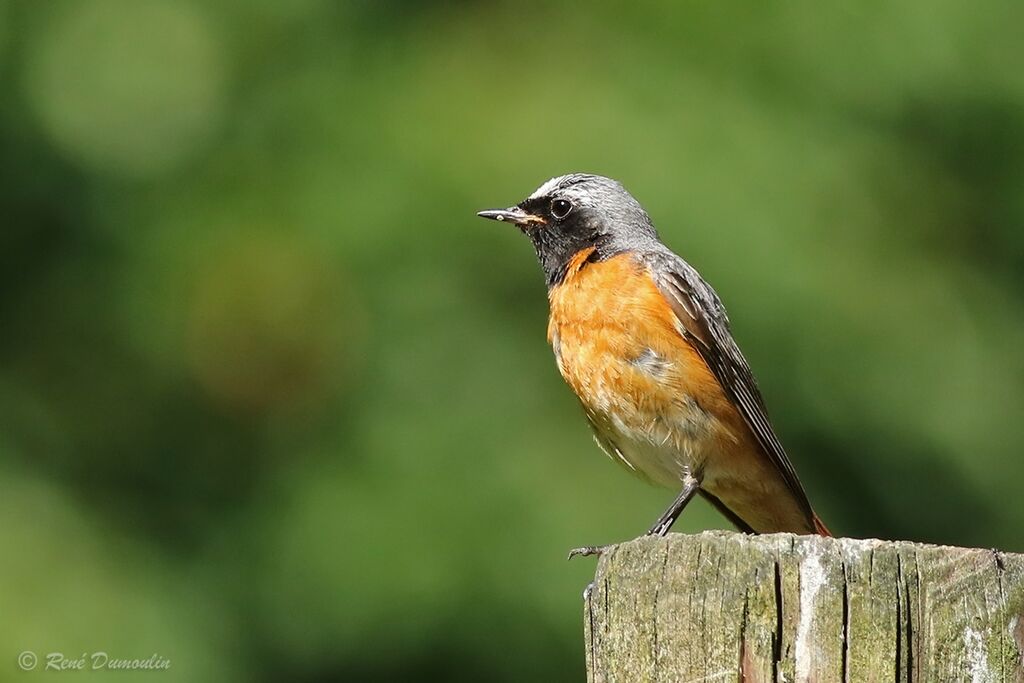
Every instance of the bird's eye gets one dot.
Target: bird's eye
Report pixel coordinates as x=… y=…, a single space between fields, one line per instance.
x=560 y=208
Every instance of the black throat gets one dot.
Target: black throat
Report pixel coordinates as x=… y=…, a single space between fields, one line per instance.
x=557 y=251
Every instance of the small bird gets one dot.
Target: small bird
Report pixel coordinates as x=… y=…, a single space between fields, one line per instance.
x=645 y=344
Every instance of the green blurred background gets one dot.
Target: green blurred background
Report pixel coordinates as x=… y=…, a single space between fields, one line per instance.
x=276 y=405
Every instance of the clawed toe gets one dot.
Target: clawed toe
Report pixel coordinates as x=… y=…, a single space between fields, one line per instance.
x=588 y=550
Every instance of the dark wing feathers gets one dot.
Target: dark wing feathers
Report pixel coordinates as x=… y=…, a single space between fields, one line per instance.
x=703 y=321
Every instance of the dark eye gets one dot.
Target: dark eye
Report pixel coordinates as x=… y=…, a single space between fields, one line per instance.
x=560 y=208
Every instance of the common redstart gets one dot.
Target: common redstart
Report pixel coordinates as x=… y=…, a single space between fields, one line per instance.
x=645 y=344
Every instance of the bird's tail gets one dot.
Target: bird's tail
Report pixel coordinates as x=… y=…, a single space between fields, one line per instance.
x=820 y=527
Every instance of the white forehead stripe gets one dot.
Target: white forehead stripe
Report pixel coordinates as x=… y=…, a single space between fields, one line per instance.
x=547 y=187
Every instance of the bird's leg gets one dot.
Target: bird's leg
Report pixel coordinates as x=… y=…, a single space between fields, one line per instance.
x=690 y=486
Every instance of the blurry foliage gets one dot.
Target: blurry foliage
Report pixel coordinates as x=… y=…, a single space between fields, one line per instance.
x=276 y=405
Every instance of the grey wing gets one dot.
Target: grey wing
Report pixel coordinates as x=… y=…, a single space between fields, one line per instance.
x=704 y=323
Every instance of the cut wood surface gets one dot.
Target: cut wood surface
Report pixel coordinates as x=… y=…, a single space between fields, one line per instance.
x=723 y=606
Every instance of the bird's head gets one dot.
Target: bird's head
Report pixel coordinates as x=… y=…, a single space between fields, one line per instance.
x=574 y=212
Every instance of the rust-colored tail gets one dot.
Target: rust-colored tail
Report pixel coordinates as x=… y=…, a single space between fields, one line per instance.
x=820 y=527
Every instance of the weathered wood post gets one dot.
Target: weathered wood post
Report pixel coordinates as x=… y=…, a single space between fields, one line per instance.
x=722 y=606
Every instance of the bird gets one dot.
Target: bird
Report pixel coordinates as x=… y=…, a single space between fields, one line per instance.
x=645 y=343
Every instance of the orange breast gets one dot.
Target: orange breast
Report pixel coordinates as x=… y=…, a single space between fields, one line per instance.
x=617 y=345
x=652 y=400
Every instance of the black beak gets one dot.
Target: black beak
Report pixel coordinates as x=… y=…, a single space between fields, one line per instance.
x=512 y=214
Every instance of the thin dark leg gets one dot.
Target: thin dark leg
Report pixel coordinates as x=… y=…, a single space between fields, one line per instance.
x=690 y=487
x=669 y=517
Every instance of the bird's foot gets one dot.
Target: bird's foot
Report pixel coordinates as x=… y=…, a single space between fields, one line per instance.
x=660 y=528
x=588 y=550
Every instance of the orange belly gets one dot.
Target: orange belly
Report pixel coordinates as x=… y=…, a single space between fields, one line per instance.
x=654 y=404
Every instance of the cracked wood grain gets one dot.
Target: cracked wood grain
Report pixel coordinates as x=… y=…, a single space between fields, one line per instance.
x=722 y=606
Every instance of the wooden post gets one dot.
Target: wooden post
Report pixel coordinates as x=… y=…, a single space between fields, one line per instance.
x=722 y=606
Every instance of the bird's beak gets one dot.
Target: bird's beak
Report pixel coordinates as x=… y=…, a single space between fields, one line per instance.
x=513 y=214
